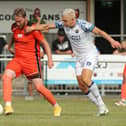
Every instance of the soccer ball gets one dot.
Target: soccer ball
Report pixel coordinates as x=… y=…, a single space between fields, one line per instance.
x=1 y=109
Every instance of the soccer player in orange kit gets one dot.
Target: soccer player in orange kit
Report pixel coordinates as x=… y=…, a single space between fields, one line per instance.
x=27 y=61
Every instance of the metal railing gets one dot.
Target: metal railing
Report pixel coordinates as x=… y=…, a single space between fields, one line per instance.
x=20 y=86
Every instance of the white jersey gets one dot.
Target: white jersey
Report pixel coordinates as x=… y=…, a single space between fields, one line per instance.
x=81 y=38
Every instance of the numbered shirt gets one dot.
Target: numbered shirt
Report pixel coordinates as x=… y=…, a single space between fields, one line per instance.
x=81 y=38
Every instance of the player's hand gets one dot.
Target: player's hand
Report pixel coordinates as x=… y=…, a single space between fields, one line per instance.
x=50 y=64
x=45 y=28
x=115 y=44
x=29 y=29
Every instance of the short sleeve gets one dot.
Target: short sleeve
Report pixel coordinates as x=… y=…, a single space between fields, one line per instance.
x=85 y=26
x=38 y=35
x=59 y=24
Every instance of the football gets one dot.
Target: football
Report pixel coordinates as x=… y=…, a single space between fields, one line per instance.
x=1 y=109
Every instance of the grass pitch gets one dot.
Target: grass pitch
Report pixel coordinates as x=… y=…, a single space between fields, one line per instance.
x=77 y=111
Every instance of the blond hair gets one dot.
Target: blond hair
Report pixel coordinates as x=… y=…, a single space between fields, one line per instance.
x=69 y=12
x=19 y=12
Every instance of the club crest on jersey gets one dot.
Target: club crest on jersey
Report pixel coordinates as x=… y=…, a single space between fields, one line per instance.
x=19 y=35
x=76 y=31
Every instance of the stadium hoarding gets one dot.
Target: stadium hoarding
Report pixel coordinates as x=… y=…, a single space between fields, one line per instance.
x=109 y=70
x=50 y=10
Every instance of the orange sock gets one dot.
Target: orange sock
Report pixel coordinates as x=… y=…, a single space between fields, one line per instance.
x=46 y=93
x=7 y=88
x=123 y=91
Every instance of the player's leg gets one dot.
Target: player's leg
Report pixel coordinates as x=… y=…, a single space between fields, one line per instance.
x=7 y=89
x=12 y=70
x=86 y=78
x=122 y=102
x=47 y=94
x=84 y=88
x=82 y=85
x=86 y=75
x=33 y=72
x=30 y=89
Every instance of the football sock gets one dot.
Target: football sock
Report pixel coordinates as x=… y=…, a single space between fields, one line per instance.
x=123 y=91
x=46 y=93
x=94 y=89
x=91 y=97
x=7 y=88
x=8 y=103
x=56 y=105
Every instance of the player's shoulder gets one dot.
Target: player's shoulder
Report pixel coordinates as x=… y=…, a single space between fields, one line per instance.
x=85 y=25
x=81 y=21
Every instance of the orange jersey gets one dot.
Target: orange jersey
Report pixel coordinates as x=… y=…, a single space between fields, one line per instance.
x=27 y=53
x=27 y=46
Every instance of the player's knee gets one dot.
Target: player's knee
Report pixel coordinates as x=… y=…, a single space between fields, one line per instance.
x=86 y=80
x=39 y=87
x=83 y=88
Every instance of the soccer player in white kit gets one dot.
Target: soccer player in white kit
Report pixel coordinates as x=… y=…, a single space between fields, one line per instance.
x=80 y=34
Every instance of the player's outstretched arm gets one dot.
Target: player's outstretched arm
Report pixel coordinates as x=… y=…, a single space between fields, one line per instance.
x=114 y=43
x=41 y=27
x=48 y=52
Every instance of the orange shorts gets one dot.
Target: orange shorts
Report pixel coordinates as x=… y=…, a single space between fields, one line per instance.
x=124 y=71
x=30 y=69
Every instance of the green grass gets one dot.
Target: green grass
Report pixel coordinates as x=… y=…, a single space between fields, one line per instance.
x=77 y=111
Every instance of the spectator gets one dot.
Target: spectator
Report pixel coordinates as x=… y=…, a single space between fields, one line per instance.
x=122 y=51
x=77 y=13
x=3 y=45
x=61 y=45
x=37 y=17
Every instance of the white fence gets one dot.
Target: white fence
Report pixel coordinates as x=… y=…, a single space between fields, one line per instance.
x=61 y=78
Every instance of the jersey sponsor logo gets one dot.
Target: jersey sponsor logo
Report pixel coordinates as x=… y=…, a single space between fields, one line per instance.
x=76 y=31
x=75 y=38
x=19 y=35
